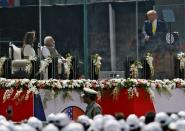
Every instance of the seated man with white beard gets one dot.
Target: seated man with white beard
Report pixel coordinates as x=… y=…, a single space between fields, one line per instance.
x=49 y=48
x=49 y=51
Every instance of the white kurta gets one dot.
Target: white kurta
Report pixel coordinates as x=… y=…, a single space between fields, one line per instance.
x=29 y=51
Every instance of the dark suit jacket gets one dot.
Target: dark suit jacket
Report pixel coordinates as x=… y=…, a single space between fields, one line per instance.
x=147 y=28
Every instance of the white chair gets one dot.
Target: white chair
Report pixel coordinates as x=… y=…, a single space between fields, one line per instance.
x=18 y=65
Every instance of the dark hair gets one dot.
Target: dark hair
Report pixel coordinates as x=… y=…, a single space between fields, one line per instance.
x=120 y=116
x=29 y=38
x=149 y=117
x=93 y=97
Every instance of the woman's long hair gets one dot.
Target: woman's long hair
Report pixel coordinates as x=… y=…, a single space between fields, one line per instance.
x=29 y=38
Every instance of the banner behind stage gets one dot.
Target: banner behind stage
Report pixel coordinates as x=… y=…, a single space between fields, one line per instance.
x=71 y=103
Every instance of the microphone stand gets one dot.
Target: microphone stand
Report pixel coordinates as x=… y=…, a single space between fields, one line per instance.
x=39 y=56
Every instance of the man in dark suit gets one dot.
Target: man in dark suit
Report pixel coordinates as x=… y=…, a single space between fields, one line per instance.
x=153 y=27
x=154 y=31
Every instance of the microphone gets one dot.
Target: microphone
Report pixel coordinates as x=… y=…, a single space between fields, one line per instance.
x=39 y=45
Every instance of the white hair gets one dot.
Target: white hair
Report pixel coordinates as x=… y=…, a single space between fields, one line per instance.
x=151 y=12
x=46 y=39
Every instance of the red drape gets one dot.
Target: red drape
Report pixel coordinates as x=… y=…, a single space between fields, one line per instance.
x=22 y=109
x=137 y=105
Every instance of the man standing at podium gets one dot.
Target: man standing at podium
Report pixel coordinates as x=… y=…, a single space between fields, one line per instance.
x=153 y=27
x=154 y=31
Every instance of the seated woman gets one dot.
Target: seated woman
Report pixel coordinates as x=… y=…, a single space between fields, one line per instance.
x=28 y=50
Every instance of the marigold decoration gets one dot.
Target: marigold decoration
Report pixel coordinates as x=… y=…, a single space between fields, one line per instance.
x=134 y=69
x=2 y=61
x=181 y=58
x=68 y=65
x=96 y=59
x=149 y=60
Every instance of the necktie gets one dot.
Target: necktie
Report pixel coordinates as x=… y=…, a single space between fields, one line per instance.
x=153 y=28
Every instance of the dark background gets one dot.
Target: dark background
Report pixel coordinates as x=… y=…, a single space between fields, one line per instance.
x=65 y=24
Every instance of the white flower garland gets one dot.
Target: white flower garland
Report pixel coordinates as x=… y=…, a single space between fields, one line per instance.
x=149 y=60
x=67 y=65
x=44 y=64
x=132 y=86
x=32 y=87
x=134 y=69
x=132 y=91
x=2 y=61
x=7 y=95
x=28 y=68
x=181 y=58
x=97 y=62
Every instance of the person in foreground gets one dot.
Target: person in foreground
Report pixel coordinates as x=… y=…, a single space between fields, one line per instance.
x=92 y=108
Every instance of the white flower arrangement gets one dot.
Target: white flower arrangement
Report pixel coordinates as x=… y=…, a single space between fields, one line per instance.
x=132 y=86
x=24 y=81
x=10 y=83
x=181 y=58
x=44 y=64
x=28 y=68
x=68 y=65
x=134 y=69
x=87 y=84
x=149 y=60
x=96 y=59
x=132 y=91
x=53 y=84
x=2 y=61
x=65 y=83
x=32 y=87
x=7 y=95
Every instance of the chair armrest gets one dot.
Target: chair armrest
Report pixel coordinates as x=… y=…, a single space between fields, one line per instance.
x=20 y=63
